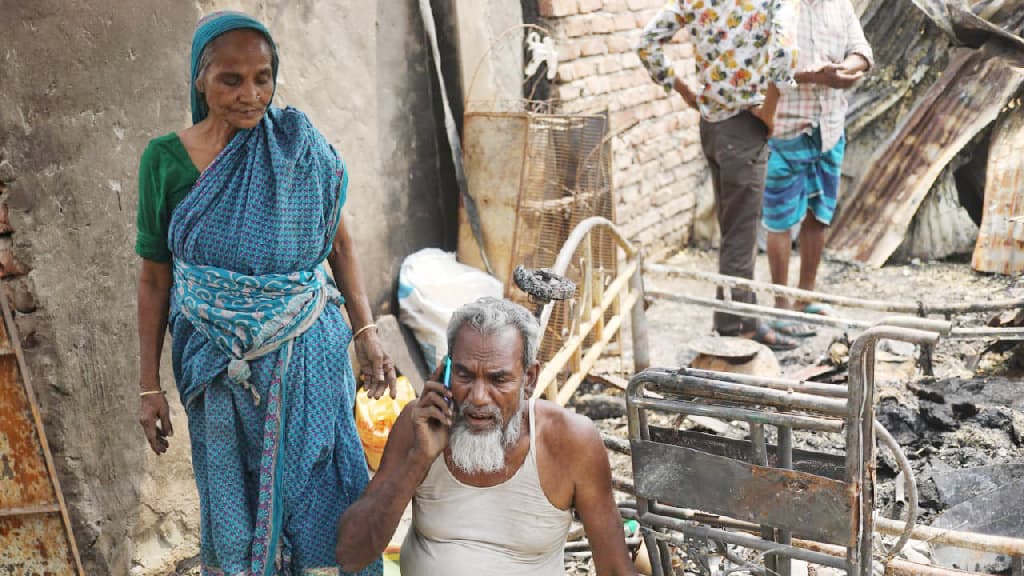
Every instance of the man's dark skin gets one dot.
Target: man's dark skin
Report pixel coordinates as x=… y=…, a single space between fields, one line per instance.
x=487 y=370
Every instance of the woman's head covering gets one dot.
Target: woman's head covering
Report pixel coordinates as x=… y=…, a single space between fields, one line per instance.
x=210 y=27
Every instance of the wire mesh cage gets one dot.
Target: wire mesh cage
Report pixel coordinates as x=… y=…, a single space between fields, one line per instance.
x=533 y=176
x=567 y=178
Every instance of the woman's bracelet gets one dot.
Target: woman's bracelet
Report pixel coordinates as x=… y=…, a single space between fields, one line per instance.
x=363 y=329
x=151 y=392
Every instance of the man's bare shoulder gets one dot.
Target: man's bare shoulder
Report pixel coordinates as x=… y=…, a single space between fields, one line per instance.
x=566 y=433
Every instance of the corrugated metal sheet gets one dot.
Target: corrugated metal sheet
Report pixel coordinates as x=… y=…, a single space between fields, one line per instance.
x=35 y=533
x=1000 y=246
x=942 y=227
x=967 y=97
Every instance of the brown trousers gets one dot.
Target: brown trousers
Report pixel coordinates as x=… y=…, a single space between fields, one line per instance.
x=737 y=153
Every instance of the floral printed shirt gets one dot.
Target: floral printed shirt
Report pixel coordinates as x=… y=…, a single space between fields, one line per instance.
x=740 y=46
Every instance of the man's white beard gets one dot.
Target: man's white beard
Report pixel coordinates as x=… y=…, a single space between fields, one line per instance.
x=484 y=452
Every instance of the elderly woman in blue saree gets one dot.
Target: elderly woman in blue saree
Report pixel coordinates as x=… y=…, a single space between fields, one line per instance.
x=237 y=216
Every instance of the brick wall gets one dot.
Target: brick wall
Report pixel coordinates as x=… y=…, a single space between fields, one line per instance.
x=661 y=179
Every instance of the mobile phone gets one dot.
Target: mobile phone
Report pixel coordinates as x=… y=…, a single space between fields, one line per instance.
x=447 y=380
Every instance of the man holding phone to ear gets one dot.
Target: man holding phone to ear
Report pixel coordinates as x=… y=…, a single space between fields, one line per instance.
x=493 y=476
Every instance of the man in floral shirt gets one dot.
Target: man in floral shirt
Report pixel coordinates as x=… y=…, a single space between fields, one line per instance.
x=746 y=55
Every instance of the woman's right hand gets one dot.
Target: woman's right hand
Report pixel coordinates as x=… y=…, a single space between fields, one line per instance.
x=155 y=418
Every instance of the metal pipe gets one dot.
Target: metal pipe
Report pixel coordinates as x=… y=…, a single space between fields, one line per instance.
x=878 y=305
x=795 y=421
x=927 y=324
x=909 y=482
x=981 y=333
x=895 y=567
x=759 y=453
x=735 y=538
x=785 y=461
x=682 y=383
x=805 y=386
x=565 y=254
x=959 y=539
x=638 y=320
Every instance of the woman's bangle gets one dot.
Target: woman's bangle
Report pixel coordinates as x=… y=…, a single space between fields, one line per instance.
x=151 y=392
x=363 y=329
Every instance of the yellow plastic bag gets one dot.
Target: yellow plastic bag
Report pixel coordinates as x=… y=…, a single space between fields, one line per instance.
x=374 y=418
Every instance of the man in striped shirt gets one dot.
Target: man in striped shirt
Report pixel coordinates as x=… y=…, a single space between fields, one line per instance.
x=808 y=145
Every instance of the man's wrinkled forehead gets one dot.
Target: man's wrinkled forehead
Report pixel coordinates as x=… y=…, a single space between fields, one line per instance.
x=504 y=347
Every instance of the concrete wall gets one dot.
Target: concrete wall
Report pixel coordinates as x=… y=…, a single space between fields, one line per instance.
x=85 y=85
x=661 y=178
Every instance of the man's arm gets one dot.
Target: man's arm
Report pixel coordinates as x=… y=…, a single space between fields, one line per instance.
x=592 y=477
x=859 y=56
x=784 y=22
x=651 y=49
x=419 y=435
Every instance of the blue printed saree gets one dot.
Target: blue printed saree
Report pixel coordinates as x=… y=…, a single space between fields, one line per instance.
x=260 y=352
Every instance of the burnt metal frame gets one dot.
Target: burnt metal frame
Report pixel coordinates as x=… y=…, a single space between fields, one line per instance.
x=58 y=506
x=625 y=291
x=916 y=309
x=743 y=398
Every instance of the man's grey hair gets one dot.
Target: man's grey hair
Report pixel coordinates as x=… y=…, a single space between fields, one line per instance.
x=492 y=315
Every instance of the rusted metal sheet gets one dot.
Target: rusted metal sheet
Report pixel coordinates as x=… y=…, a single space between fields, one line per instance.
x=809 y=505
x=24 y=481
x=34 y=545
x=1000 y=246
x=495 y=148
x=968 y=96
x=35 y=531
x=817 y=463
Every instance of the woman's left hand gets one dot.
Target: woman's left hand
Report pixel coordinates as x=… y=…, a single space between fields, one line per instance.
x=376 y=370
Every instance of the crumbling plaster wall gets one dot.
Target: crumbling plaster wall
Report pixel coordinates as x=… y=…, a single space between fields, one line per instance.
x=84 y=86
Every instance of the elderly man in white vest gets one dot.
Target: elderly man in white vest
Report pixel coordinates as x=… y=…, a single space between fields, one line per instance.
x=493 y=476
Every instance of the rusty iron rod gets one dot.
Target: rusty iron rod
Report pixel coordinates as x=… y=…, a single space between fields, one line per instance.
x=565 y=254
x=638 y=320
x=849 y=301
x=805 y=386
x=30 y=510
x=735 y=538
x=895 y=567
x=681 y=382
x=955 y=538
x=795 y=421
x=785 y=461
x=910 y=483
x=958 y=333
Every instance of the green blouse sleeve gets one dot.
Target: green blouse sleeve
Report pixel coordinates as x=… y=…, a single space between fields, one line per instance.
x=152 y=219
x=166 y=174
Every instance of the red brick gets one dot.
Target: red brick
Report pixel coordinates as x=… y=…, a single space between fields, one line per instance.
x=590 y=5
x=576 y=26
x=593 y=46
x=602 y=23
x=568 y=51
x=624 y=21
x=609 y=65
x=595 y=85
x=620 y=43
x=637 y=5
x=556 y=8
x=568 y=92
